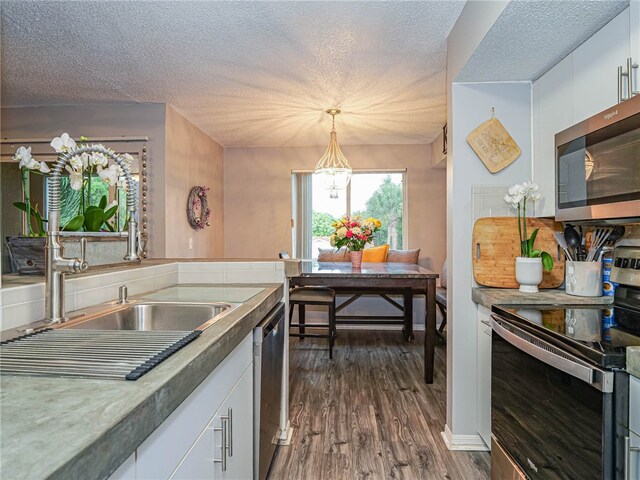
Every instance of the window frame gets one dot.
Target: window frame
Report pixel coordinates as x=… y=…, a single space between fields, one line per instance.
x=301 y=245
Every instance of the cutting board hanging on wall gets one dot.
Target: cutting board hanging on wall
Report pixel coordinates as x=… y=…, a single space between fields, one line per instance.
x=493 y=145
x=496 y=245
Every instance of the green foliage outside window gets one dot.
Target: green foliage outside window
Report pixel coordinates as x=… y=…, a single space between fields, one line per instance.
x=321 y=224
x=385 y=204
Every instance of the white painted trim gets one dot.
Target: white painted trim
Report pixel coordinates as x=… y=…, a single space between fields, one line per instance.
x=472 y=443
x=284 y=436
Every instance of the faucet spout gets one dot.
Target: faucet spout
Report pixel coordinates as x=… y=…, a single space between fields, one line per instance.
x=56 y=264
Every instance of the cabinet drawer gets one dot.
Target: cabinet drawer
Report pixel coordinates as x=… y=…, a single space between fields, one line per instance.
x=161 y=453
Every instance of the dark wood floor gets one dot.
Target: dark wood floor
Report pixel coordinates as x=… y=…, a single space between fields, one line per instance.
x=368 y=414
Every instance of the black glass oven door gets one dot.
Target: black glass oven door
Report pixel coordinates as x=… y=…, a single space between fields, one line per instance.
x=552 y=423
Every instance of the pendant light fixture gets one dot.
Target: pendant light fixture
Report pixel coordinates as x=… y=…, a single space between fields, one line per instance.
x=333 y=168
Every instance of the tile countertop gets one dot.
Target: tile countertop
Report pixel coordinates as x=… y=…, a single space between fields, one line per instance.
x=504 y=296
x=633 y=361
x=84 y=428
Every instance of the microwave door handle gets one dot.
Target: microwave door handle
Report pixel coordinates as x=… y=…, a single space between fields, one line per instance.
x=562 y=361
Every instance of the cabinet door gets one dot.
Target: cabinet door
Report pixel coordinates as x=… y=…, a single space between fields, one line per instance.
x=198 y=462
x=634 y=37
x=634 y=402
x=595 y=68
x=553 y=112
x=484 y=374
x=162 y=452
x=239 y=408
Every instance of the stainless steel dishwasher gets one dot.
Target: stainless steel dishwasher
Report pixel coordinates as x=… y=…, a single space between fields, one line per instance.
x=268 y=351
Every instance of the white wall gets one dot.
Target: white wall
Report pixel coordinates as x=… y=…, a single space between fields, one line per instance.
x=471 y=106
x=192 y=158
x=258 y=196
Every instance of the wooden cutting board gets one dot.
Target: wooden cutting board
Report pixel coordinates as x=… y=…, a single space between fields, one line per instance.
x=495 y=247
x=493 y=145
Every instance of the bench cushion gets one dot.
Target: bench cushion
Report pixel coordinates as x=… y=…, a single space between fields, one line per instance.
x=441 y=295
x=333 y=255
x=403 y=256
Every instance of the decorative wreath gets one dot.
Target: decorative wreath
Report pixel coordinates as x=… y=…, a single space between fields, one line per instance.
x=198 y=211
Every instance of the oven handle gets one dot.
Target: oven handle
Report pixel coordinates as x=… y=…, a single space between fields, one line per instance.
x=552 y=355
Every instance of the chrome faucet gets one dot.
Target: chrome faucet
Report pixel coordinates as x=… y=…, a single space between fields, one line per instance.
x=56 y=264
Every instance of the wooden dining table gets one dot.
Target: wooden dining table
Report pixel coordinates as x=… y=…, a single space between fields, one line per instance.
x=382 y=279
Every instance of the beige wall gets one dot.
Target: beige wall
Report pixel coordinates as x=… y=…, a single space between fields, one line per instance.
x=257 y=196
x=103 y=120
x=192 y=158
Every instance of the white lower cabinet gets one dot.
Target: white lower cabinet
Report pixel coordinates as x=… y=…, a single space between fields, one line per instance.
x=188 y=443
x=224 y=450
x=484 y=374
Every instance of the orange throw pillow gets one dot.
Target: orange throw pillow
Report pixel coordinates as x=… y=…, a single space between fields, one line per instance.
x=375 y=254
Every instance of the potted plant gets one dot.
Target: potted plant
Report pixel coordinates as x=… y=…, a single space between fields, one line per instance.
x=354 y=233
x=85 y=196
x=530 y=263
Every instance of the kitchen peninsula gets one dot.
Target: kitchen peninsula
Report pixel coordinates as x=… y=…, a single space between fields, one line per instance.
x=98 y=424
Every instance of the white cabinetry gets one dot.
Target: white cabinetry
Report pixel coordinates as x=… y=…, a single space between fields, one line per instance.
x=634 y=428
x=634 y=30
x=595 y=67
x=224 y=449
x=484 y=373
x=187 y=442
x=553 y=112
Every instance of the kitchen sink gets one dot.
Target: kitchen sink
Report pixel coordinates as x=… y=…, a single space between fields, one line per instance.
x=153 y=316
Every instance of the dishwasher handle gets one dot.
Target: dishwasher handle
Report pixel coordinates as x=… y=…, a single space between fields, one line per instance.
x=552 y=355
x=272 y=321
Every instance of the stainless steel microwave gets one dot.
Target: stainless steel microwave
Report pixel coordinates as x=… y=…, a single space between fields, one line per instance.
x=598 y=166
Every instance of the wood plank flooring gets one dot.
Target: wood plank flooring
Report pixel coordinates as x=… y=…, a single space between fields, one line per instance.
x=368 y=415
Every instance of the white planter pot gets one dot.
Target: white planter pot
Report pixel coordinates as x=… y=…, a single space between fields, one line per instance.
x=529 y=273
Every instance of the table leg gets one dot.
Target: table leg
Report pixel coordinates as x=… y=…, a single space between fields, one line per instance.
x=407 y=329
x=430 y=330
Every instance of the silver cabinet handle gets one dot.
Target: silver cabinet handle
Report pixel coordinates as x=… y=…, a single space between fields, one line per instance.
x=628 y=450
x=630 y=67
x=620 y=98
x=223 y=429
x=553 y=356
x=230 y=423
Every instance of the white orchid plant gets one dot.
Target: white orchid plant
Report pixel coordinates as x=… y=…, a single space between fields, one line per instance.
x=81 y=169
x=517 y=197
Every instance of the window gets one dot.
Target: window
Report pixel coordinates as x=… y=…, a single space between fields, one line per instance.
x=370 y=194
x=71 y=202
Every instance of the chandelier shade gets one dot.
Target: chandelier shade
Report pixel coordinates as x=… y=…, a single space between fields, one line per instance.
x=333 y=169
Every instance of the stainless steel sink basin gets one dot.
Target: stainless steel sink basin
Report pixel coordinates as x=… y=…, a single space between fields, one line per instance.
x=153 y=316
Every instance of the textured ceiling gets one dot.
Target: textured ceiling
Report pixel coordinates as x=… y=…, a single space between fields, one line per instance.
x=530 y=37
x=246 y=73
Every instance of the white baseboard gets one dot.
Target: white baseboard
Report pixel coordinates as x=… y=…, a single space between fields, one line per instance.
x=284 y=436
x=473 y=443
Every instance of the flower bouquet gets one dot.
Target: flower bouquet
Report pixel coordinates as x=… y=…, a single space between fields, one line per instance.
x=354 y=233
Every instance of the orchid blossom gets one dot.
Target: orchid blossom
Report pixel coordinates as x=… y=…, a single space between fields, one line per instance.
x=75 y=178
x=63 y=143
x=110 y=174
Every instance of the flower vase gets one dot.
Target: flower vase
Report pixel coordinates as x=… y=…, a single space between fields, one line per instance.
x=356 y=259
x=529 y=273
